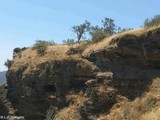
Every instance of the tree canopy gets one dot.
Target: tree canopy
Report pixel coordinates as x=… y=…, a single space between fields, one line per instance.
x=81 y=29
x=109 y=26
x=152 y=21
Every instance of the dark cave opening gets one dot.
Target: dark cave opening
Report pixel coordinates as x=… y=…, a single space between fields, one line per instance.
x=50 y=88
x=77 y=85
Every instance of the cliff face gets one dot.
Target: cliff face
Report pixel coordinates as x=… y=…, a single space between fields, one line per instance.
x=48 y=85
x=131 y=50
x=85 y=81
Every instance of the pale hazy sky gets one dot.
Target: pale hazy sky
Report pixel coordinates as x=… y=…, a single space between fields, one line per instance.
x=24 y=21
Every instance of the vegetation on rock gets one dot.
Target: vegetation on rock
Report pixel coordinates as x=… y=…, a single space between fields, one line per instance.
x=155 y=21
x=111 y=79
x=41 y=46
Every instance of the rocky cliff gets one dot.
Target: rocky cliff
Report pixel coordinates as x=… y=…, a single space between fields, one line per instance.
x=87 y=81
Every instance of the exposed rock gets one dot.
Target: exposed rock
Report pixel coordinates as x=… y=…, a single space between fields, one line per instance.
x=120 y=71
x=53 y=78
x=131 y=50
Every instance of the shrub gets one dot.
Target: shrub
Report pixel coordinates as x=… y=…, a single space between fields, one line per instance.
x=49 y=43
x=18 y=51
x=120 y=30
x=8 y=63
x=152 y=21
x=98 y=35
x=69 y=42
x=40 y=46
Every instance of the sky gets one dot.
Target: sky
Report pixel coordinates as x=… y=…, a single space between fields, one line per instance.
x=22 y=22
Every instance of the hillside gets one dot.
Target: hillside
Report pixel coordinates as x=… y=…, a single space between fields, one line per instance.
x=115 y=79
x=2 y=77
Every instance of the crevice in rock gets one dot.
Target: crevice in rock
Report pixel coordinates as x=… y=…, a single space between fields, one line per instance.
x=50 y=88
x=77 y=84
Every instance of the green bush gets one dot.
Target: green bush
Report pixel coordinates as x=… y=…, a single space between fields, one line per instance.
x=40 y=46
x=120 y=30
x=49 y=43
x=152 y=21
x=8 y=63
x=69 y=42
x=18 y=51
x=98 y=35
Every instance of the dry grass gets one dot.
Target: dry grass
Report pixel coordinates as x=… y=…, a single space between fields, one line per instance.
x=153 y=115
x=100 y=45
x=71 y=112
x=142 y=108
x=30 y=57
x=105 y=43
x=77 y=99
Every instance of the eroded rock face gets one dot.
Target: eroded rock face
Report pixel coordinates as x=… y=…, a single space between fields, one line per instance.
x=121 y=71
x=133 y=61
x=47 y=85
x=131 y=50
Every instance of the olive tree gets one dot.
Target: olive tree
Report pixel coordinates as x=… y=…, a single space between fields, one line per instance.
x=80 y=30
x=109 y=26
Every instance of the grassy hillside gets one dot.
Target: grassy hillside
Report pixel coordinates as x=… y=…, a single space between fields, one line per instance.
x=114 y=79
x=2 y=76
